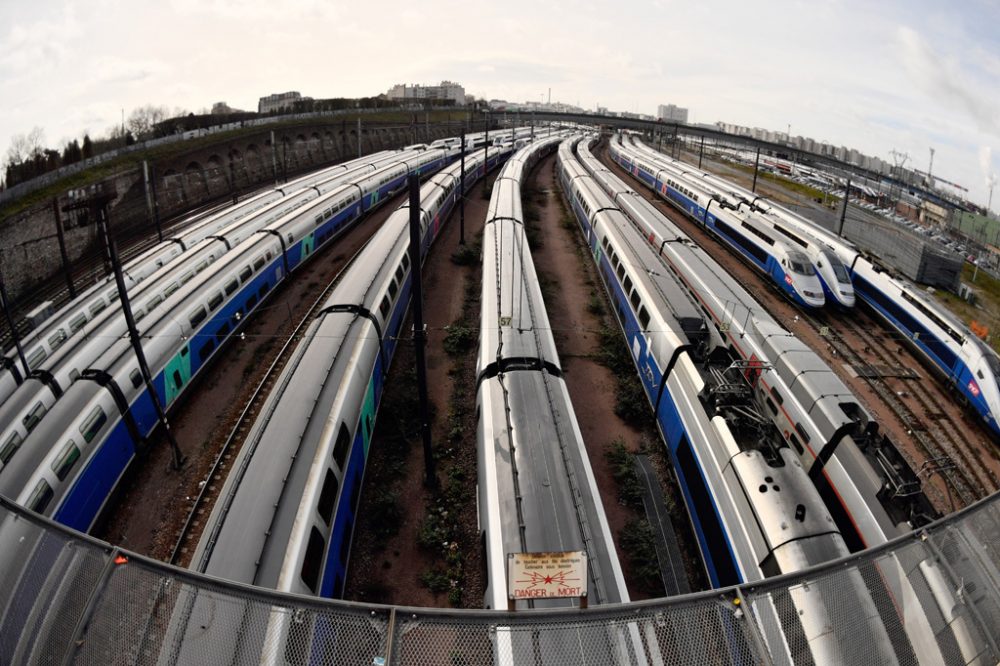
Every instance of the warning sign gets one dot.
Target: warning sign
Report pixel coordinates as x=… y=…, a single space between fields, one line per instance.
x=546 y=575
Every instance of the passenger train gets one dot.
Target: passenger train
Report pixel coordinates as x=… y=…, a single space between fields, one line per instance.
x=752 y=505
x=867 y=486
x=74 y=458
x=42 y=342
x=830 y=269
x=787 y=267
x=286 y=515
x=36 y=395
x=536 y=491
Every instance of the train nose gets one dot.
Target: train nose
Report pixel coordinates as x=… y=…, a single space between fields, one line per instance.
x=846 y=297
x=812 y=298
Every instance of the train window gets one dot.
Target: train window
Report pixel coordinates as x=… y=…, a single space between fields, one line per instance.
x=77 y=322
x=393 y=289
x=268 y=255
x=291 y=239
x=340 y=448
x=171 y=288
x=201 y=266
x=643 y=318
x=259 y=263
x=197 y=316
x=136 y=378
x=383 y=308
x=215 y=301
x=262 y=292
x=406 y=261
x=40 y=497
x=634 y=299
x=57 y=338
x=399 y=274
x=206 y=350
x=245 y=274
x=178 y=382
x=627 y=284
x=112 y=296
x=93 y=424
x=36 y=357
x=34 y=416
x=796 y=443
x=980 y=374
x=777 y=396
x=66 y=459
x=328 y=496
x=802 y=432
x=771 y=406
x=621 y=271
x=98 y=306
x=187 y=277
x=139 y=314
x=153 y=302
x=313 y=561
x=231 y=287
x=10 y=447
x=319 y=220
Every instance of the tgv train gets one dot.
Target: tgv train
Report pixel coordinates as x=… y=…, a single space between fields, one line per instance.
x=788 y=268
x=830 y=270
x=286 y=514
x=956 y=354
x=74 y=458
x=752 y=506
x=868 y=487
x=42 y=342
x=30 y=401
x=536 y=491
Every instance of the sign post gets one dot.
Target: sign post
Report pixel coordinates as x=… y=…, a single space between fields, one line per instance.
x=559 y=575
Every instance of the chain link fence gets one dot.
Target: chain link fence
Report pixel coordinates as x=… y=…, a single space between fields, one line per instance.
x=930 y=598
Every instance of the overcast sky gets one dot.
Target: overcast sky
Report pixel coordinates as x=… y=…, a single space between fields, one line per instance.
x=869 y=75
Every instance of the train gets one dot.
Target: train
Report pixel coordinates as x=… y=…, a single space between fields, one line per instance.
x=867 y=487
x=536 y=490
x=752 y=506
x=286 y=514
x=71 y=462
x=784 y=265
x=967 y=365
x=38 y=393
x=833 y=275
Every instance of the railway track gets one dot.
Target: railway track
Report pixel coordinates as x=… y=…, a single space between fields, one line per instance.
x=211 y=486
x=934 y=428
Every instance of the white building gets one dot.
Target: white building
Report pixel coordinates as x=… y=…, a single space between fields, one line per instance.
x=415 y=92
x=279 y=101
x=671 y=113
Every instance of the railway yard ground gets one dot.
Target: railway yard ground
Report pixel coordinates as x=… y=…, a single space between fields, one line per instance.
x=416 y=545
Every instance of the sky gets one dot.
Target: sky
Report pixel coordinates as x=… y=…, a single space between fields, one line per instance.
x=875 y=76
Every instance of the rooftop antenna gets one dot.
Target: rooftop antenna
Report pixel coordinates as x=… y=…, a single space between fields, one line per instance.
x=930 y=170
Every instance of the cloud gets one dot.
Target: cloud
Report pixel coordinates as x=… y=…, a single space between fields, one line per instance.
x=986 y=164
x=943 y=79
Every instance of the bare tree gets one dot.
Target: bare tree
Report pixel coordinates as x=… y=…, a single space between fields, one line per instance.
x=24 y=147
x=143 y=119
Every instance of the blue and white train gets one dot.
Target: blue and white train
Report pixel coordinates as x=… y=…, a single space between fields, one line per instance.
x=752 y=506
x=36 y=395
x=73 y=460
x=831 y=271
x=788 y=268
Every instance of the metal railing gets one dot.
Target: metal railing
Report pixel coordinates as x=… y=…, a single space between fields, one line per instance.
x=927 y=598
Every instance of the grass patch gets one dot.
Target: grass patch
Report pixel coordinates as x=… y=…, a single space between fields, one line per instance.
x=465 y=255
x=595 y=304
x=459 y=339
x=638 y=541
x=623 y=470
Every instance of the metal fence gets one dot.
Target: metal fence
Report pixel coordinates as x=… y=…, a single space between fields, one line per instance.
x=929 y=598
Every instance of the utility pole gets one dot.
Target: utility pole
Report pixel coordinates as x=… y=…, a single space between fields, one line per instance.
x=701 y=151
x=61 y=237
x=843 y=210
x=149 y=200
x=756 y=167
x=101 y=204
x=5 y=304
x=930 y=170
x=274 y=159
x=461 y=196
x=359 y=138
x=419 y=334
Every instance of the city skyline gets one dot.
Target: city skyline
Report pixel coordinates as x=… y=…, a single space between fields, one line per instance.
x=896 y=76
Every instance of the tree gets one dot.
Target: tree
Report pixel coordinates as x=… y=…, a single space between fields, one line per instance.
x=72 y=153
x=88 y=147
x=143 y=120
